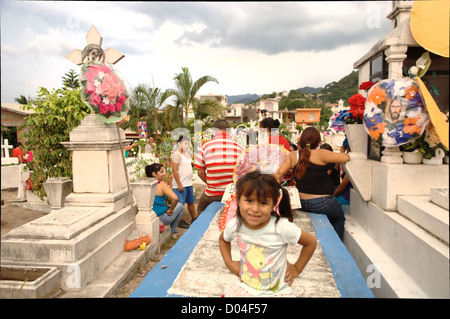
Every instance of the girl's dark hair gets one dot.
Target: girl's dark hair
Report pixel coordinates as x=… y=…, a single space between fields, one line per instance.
x=309 y=140
x=265 y=186
x=269 y=122
x=153 y=168
x=182 y=137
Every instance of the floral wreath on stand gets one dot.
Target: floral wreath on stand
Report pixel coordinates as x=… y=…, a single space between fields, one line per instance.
x=104 y=91
x=395 y=113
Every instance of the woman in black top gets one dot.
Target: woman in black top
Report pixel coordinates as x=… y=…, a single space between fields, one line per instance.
x=312 y=180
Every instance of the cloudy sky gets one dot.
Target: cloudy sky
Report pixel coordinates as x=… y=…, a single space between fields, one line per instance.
x=250 y=47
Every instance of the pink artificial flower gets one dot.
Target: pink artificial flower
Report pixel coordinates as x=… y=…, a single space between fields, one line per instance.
x=95 y=99
x=103 y=108
x=118 y=107
x=122 y=98
x=109 y=87
x=112 y=108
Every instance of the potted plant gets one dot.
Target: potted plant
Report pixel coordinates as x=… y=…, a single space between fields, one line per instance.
x=413 y=152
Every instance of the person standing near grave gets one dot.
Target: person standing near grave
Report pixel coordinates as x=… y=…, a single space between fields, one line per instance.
x=312 y=180
x=215 y=164
x=18 y=152
x=182 y=178
x=150 y=146
x=274 y=135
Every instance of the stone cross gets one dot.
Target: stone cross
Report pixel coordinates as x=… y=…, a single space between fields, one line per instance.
x=94 y=52
x=5 y=148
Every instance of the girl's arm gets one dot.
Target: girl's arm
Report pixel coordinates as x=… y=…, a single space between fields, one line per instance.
x=175 y=164
x=309 y=242
x=225 y=250
x=287 y=164
x=173 y=197
x=331 y=157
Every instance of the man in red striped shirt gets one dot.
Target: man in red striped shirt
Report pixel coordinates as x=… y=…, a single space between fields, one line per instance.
x=215 y=164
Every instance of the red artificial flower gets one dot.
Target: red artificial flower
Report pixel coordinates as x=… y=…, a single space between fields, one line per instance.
x=357 y=104
x=366 y=85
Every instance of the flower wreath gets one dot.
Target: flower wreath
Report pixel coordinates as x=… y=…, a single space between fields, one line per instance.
x=395 y=113
x=104 y=92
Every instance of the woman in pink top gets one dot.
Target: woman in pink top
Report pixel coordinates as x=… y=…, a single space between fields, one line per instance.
x=274 y=136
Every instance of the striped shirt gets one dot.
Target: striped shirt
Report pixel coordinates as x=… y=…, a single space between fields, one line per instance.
x=218 y=158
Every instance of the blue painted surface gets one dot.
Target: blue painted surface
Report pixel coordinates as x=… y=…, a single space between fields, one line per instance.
x=158 y=282
x=349 y=280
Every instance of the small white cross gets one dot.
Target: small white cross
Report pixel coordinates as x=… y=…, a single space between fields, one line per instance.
x=5 y=148
x=94 y=39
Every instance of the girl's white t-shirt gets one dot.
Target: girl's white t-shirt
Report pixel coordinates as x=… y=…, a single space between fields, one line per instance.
x=263 y=254
x=184 y=171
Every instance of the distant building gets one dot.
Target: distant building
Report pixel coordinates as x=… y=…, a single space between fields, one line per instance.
x=222 y=99
x=307 y=116
x=13 y=116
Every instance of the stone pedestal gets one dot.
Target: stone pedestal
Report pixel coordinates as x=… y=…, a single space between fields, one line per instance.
x=144 y=190
x=96 y=159
x=392 y=155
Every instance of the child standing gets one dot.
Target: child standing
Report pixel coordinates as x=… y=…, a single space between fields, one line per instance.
x=182 y=178
x=263 y=229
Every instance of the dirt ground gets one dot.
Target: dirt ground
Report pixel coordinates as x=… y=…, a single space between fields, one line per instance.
x=14 y=216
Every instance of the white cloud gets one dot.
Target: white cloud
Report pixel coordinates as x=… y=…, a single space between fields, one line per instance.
x=250 y=47
x=9 y=49
x=52 y=43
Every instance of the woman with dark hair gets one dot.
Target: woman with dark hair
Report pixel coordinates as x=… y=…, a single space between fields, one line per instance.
x=167 y=215
x=314 y=185
x=274 y=135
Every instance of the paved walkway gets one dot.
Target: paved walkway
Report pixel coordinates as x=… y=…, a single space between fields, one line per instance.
x=194 y=266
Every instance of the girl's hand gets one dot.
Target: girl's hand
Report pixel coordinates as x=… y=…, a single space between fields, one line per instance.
x=180 y=188
x=291 y=273
x=169 y=211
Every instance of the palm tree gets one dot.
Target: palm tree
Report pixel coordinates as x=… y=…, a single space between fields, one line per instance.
x=137 y=110
x=152 y=100
x=21 y=100
x=208 y=111
x=173 y=116
x=186 y=90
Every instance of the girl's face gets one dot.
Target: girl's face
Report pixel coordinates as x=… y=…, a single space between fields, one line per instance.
x=255 y=214
x=160 y=175
x=184 y=145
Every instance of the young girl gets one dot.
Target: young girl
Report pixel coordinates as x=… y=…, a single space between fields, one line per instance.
x=263 y=229
x=182 y=178
x=167 y=215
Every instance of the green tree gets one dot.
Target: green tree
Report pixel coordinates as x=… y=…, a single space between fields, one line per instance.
x=186 y=89
x=70 y=80
x=152 y=99
x=208 y=111
x=56 y=114
x=21 y=100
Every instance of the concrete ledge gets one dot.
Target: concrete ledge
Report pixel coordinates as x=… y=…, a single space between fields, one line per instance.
x=348 y=277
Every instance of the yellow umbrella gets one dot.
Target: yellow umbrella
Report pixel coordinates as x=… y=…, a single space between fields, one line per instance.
x=429 y=25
